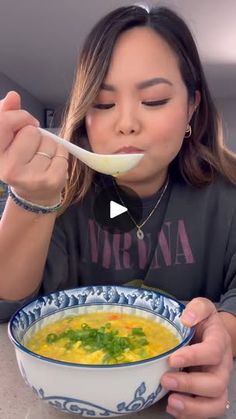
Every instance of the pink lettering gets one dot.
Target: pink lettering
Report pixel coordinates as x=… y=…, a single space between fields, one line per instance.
x=106 y=262
x=126 y=256
x=183 y=248
x=116 y=250
x=93 y=241
x=164 y=244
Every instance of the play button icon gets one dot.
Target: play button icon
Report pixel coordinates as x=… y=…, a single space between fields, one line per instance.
x=116 y=209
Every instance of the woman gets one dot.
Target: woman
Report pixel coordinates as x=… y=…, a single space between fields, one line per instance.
x=139 y=87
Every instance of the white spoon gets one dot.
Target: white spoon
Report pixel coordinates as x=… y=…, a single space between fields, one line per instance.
x=109 y=164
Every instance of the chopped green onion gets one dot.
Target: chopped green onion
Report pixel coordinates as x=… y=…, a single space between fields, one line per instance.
x=138 y=331
x=103 y=338
x=51 y=338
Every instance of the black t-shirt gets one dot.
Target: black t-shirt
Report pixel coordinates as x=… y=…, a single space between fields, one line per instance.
x=188 y=250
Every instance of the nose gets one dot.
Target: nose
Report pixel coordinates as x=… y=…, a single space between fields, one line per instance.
x=127 y=123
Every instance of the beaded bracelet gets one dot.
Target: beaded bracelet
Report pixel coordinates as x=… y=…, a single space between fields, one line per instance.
x=30 y=206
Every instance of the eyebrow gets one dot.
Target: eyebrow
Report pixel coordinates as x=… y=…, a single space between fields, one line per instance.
x=141 y=85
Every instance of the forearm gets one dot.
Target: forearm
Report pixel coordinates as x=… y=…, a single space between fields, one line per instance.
x=24 y=238
x=230 y=324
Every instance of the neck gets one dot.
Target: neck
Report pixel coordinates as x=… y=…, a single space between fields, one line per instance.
x=146 y=187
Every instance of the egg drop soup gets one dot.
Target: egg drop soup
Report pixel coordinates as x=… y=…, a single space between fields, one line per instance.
x=103 y=338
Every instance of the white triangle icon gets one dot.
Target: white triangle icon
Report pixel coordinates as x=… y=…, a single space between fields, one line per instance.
x=116 y=209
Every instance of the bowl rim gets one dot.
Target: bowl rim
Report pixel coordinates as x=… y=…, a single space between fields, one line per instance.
x=21 y=347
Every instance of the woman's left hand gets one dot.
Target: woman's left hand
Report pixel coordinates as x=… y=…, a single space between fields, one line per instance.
x=201 y=391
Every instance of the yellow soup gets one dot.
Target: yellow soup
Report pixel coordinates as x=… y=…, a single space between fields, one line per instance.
x=102 y=338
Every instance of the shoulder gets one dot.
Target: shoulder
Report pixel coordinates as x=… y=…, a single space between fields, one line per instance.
x=217 y=198
x=219 y=188
x=222 y=184
x=222 y=191
x=221 y=196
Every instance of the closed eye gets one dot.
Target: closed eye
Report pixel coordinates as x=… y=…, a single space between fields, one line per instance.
x=156 y=102
x=103 y=105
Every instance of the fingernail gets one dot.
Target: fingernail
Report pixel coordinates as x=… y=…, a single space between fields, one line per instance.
x=169 y=383
x=176 y=404
x=188 y=318
x=177 y=361
x=37 y=123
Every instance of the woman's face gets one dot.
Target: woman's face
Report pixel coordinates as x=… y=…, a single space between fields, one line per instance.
x=142 y=105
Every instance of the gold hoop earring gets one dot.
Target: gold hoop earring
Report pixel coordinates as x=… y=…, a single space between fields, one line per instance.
x=188 y=131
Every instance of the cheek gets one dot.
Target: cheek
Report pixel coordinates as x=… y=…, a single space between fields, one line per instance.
x=170 y=128
x=92 y=128
x=95 y=132
x=90 y=123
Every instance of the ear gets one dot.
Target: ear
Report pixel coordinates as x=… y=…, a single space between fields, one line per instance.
x=194 y=105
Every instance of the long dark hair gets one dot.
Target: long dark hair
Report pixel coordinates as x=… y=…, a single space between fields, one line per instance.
x=204 y=154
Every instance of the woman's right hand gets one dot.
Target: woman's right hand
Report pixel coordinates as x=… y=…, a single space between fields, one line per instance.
x=34 y=177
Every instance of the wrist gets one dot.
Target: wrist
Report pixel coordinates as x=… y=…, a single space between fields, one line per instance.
x=33 y=206
x=37 y=199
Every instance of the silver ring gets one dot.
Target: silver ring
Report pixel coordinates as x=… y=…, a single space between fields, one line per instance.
x=41 y=153
x=61 y=155
x=227 y=405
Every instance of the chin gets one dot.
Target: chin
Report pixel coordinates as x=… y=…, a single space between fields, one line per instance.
x=133 y=176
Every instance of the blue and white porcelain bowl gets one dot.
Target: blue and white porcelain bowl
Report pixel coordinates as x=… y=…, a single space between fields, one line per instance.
x=95 y=390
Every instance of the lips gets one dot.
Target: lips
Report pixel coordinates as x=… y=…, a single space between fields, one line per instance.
x=128 y=150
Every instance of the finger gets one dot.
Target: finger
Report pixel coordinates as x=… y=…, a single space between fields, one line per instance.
x=59 y=166
x=62 y=153
x=50 y=180
x=12 y=122
x=30 y=144
x=197 y=310
x=12 y=101
x=50 y=148
x=204 y=353
x=214 y=342
x=26 y=142
x=183 y=406
x=38 y=183
x=207 y=384
x=15 y=166
x=17 y=119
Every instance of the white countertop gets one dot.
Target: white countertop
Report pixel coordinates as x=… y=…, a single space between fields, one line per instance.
x=17 y=400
